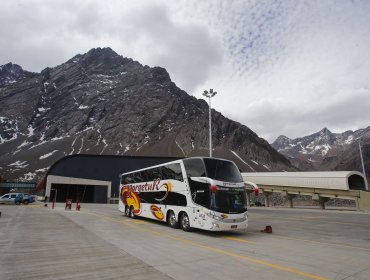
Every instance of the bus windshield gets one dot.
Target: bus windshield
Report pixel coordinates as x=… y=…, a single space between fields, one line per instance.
x=222 y=170
x=228 y=200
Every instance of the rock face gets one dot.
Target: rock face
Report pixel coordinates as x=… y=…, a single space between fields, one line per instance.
x=103 y=103
x=325 y=150
x=12 y=73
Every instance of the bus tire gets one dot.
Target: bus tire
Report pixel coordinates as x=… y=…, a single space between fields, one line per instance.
x=185 y=222
x=127 y=211
x=132 y=214
x=171 y=220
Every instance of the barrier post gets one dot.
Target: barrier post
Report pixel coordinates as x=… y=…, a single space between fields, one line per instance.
x=68 y=204
x=78 y=206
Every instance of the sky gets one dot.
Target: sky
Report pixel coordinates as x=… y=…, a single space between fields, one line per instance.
x=283 y=67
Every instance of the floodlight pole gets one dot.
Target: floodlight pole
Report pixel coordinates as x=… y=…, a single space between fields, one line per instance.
x=210 y=94
x=363 y=166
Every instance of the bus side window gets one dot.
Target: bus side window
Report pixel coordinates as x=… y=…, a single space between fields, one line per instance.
x=128 y=179
x=138 y=178
x=194 y=167
x=153 y=174
x=172 y=171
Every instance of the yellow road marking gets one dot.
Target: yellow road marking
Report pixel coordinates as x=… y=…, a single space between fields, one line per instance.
x=140 y=222
x=220 y=251
x=238 y=239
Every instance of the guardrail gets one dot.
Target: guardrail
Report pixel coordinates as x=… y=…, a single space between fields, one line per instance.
x=362 y=198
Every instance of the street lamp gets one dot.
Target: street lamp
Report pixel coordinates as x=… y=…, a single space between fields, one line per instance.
x=210 y=94
x=55 y=197
x=363 y=166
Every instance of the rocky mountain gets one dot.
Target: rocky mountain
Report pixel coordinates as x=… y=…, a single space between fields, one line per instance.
x=103 y=103
x=12 y=73
x=325 y=150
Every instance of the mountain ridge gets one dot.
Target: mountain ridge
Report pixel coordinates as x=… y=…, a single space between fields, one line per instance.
x=325 y=150
x=103 y=103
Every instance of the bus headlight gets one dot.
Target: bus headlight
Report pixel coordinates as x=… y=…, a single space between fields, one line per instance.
x=214 y=217
x=216 y=225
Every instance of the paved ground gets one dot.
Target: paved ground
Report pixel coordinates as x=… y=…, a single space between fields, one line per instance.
x=99 y=243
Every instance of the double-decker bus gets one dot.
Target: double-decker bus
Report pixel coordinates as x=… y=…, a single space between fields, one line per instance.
x=199 y=192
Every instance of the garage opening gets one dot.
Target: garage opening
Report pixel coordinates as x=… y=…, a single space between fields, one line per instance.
x=356 y=182
x=83 y=193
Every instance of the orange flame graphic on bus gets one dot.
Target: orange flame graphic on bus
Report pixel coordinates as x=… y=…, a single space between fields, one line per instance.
x=130 y=198
x=157 y=212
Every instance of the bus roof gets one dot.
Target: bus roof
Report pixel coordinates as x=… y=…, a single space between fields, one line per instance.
x=170 y=162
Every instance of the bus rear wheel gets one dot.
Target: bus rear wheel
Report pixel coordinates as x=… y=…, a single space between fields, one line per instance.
x=185 y=222
x=171 y=220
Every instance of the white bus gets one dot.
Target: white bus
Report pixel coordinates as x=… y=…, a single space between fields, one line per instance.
x=204 y=193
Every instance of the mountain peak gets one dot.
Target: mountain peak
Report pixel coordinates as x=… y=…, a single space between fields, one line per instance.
x=100 y=60
x=102 y=103
x=325 y=150
x=325 y=131
x=280 y=142
x=101 y=51
x=11 y=73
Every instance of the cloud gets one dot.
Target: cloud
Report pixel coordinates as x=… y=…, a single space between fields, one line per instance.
x=37 y=34
x=297 y=66
x=280 y=67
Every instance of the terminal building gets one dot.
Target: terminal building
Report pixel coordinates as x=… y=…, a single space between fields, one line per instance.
x=91 y=178
x=96 y=179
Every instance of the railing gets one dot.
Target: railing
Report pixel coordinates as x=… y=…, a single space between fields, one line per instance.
x=362 y=198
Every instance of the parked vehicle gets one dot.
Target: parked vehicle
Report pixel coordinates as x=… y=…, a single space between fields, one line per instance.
x=204 y=193
x=8 y=198
x=24 y=198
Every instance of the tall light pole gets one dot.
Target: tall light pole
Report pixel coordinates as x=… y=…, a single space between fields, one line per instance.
x=210 y=94
x=363 y=166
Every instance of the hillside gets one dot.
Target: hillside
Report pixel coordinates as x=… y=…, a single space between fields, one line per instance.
x=103 y=103
x=325 y=150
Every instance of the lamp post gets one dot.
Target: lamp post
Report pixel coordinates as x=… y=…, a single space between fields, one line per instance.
x=210 y=94
x=55 y=197
x=363 y=166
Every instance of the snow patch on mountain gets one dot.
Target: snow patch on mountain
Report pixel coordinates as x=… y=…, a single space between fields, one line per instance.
x=235 y=154
x=19 y=164
x=48 y=155
x=182 y=150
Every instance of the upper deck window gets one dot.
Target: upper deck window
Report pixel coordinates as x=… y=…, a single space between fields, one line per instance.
x=222 y=170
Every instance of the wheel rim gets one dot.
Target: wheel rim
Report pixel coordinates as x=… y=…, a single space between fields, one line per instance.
x=172 y=219
x=185 y=221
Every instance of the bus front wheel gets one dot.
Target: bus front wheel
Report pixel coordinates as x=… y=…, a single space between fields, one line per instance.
x=132 y=215
x=127 y=211
x=185 y=222
x=171 y=220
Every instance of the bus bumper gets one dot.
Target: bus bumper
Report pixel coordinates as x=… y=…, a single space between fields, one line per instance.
x=222 y=226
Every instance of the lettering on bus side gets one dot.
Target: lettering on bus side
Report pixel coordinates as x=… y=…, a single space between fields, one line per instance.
x=147 y=187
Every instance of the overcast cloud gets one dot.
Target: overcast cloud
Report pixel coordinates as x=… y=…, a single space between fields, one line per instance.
x=280 y=67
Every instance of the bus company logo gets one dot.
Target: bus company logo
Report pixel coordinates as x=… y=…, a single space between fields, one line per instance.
x=154 y=186
x=130 y=198
x=147 y=187
x=157 y=212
